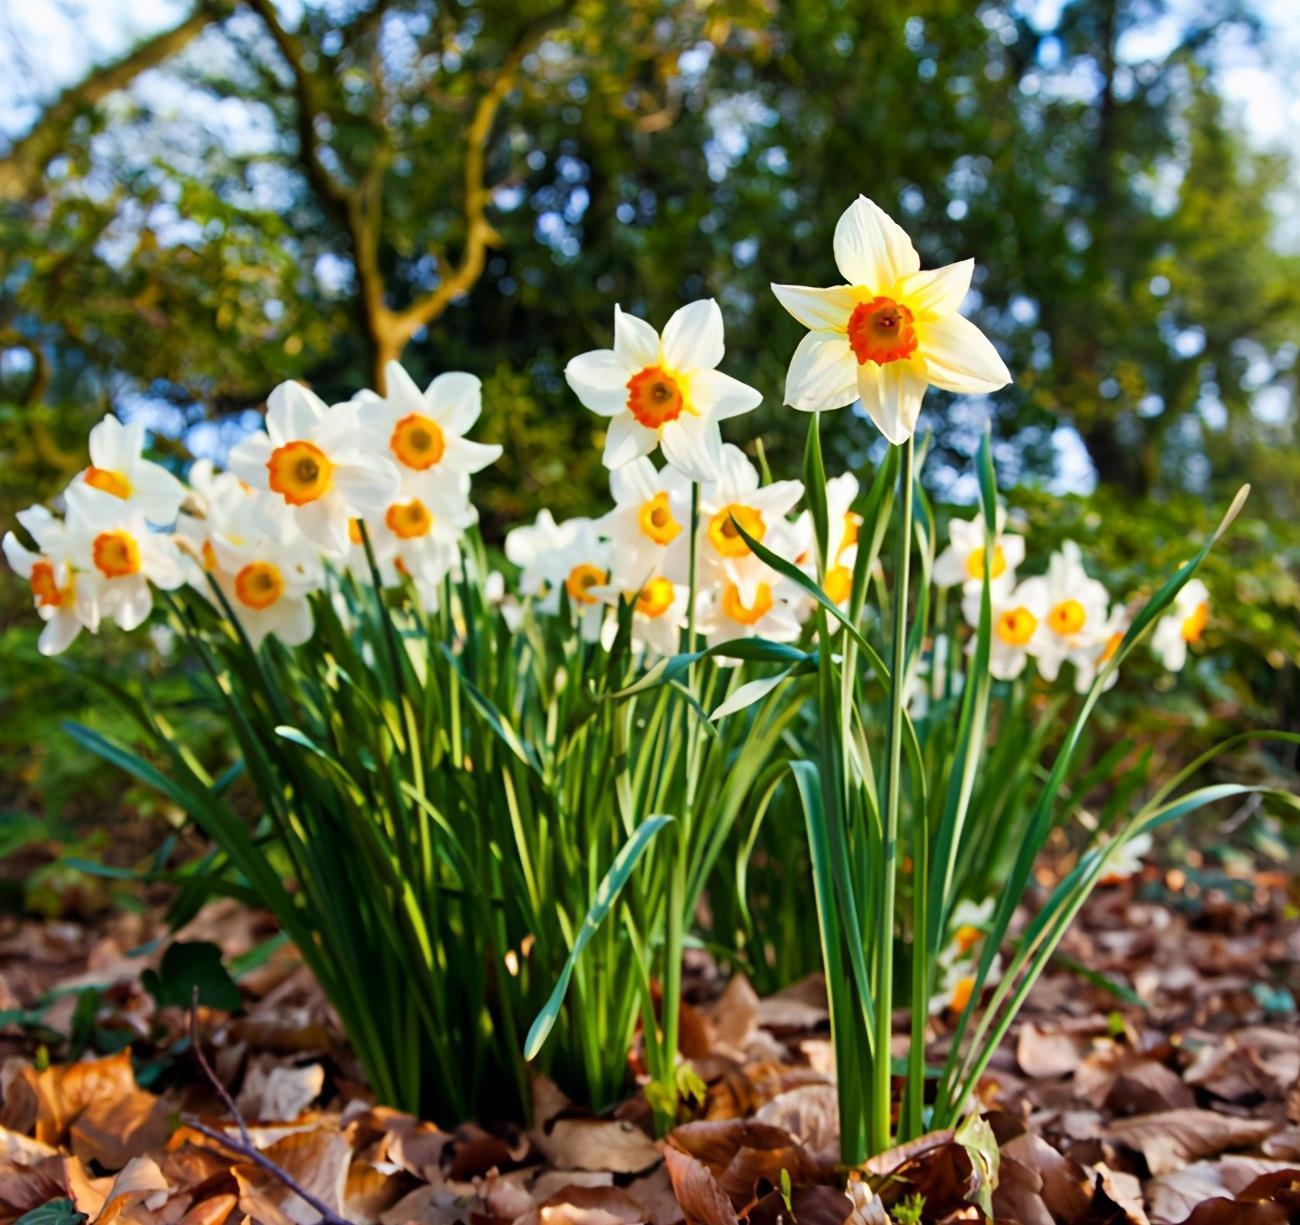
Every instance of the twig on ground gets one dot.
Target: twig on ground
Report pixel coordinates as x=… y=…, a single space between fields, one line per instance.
x=244 y=1146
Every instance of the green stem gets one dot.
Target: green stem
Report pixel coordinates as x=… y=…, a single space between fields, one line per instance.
x=881 y=1078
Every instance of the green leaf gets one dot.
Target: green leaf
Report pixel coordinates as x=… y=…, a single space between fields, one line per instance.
x=53 y=1212
x=190 y=965
x=981 y=1145
x=606 y=896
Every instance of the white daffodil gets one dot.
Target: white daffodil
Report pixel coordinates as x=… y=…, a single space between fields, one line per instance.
x=956 y=985
x=663 y=391
x=266 y=581
x=734 y=497
x=1182 y=626
x=967 y=926
x=888 y=333
x=963 y=560
x=651 y=511
x=530 y=546
x=1017 y=615
x=569 y=557
x=1127 y=861
x=117 y=468
x=50 y=576
x=417 y=538
x=423 y=432
x=658 y=613
x=1076 y=610
x=215 y=495
x=844 y=524
x=315 y=467
x=117 y=557
x=1090 y=660
x=755 y=607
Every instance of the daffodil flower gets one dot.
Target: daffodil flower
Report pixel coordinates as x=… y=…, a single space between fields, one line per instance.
x=116 y=558
x=957 y=985
x=758 y=605
x=50 y=576
x=735 y=497
x=887 y=334
x=314 y=468
x=658 y=612
x=1017 y=615
x=1182 y=626
x=423 y=432
x=1076 y=610
x=416 y=538
x=118 y=469
x=567 y=557
x=663 y=391
x=266 y=581
x=962 y=562
x=1089 y=660
x=651 y=511
x=1127 y=861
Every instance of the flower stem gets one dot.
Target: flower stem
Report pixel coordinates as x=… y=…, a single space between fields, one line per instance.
x=882 y=1080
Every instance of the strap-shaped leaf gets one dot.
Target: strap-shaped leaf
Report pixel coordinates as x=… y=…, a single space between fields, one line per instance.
x=606 y=896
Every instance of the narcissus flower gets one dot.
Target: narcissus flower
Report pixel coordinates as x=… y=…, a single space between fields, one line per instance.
x=423 y=432
x=266 y=582
x=958 y=984
x=762 y=605
x=1089 y=660
x=651 y=511
x=887 y=334
x=663 y=391
x=1076 y=610
x=50 y=576
x=1182 y=626
x=568 y=558
x=735 y=497
x=1127 y=861
x=315 y=467
x=117 y=558
x=962 y=562
x=658 y=612
x=118 y=469
x=1017 y=616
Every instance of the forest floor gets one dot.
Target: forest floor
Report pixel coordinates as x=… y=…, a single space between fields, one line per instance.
x=1171 y=1095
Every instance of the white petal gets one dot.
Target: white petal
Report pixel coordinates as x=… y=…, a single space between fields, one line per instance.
x=114 y=446
x=959 y=357
x=720 y=396
x=325 y=524
x=823 y=373
x=133 y=604
x=822 y=310
x=292 y=412
x=20 y=559
x=693 y=445
x=635 y=341
x=157 y=493
x=891 y=395
x=295 y=623
x=627 y=439
x=249 y=458
x=633 y=482
x=599 y=379
x=462 y=455
x=456 y=399
x=938 y=292
x=693 y=337
x=58 y=634
x=871 y=249
x=368 y=485
x=402 y=391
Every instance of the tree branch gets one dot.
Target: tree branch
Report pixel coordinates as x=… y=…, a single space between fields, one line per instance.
x=22 y=168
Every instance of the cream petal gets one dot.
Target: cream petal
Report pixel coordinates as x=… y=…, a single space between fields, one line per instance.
x=693 y=337
x=822 y=374
x=292 y=412
x=891 y=395
x=871 y=249
x=456 y=400
x=627 y=439
x=635 y=341
x=720 y=396
x=693 y=446
x=821 y=310
x=937 y=291
x=959 y=357
x=599 y=379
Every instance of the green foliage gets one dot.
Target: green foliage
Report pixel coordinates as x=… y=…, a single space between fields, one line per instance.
x=190 y=973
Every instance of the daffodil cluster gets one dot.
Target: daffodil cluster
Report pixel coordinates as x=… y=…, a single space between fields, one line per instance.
x=382 y=477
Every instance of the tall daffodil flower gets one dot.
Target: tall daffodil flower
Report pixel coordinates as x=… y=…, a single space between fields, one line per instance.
x=315 y=467
x=887 y=334
x=1182 y=626
x=50 y=576
x=118 y=469
x=663 y=391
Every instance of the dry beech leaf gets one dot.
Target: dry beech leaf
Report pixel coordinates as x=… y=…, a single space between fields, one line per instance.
x=63 y=1092
x=23 y=1150
x=1171 y=1139
x=213 y=1211
x=733 y=1018
x=810 y=1114
x=702 y=1200
x=613 y=1145
x=282 y=1093
x=24 y=1187
x=1046 y=1054
x=317 y=1160
x=576 y=1204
